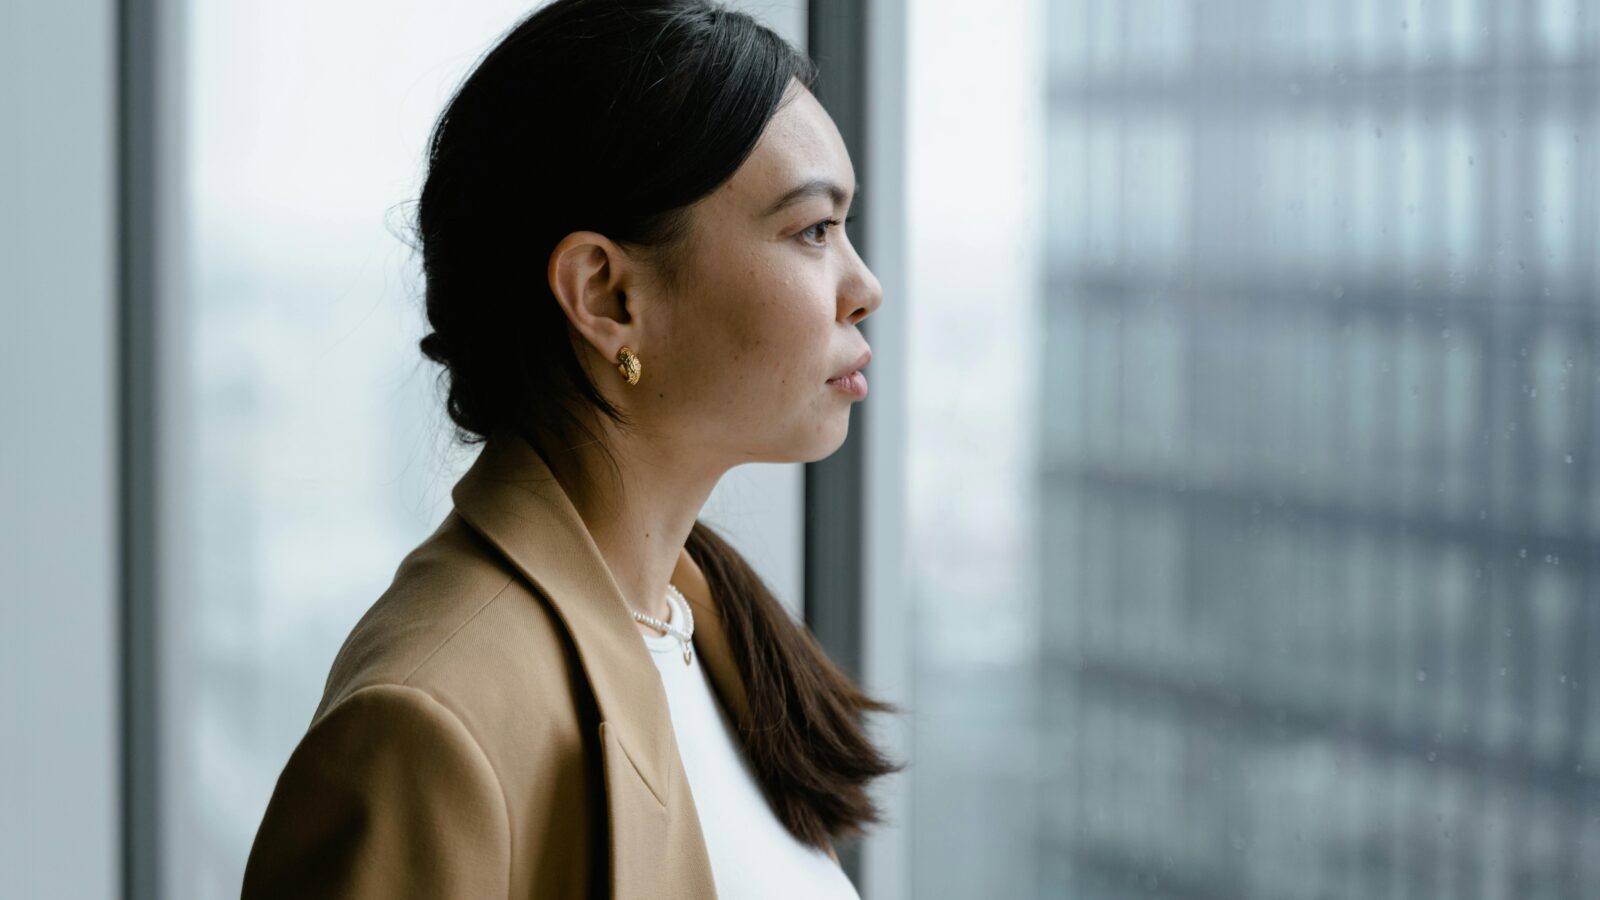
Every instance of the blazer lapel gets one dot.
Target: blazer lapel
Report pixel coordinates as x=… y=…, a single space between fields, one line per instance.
x=657 y=848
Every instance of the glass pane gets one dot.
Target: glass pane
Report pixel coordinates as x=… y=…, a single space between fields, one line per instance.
x=311 y=430
x=1253 y=449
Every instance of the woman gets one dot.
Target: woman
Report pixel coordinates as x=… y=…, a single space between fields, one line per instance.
x=637 y=279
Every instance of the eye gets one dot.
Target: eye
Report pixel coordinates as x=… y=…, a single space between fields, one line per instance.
x=823 y=225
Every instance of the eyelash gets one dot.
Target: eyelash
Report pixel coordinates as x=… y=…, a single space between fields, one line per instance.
x=833 y=222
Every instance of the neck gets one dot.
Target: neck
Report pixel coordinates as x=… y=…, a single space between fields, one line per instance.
x=641 y=518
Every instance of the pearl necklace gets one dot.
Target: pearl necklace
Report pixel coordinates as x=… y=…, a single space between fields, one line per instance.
x=680 y=613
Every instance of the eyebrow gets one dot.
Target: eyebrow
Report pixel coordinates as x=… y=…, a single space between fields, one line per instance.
x=811 y=188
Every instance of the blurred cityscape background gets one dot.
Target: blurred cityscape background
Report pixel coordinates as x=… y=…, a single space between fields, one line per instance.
x=1308 y=480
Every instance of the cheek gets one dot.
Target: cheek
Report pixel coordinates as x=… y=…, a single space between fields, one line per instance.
x=756 y=359
x=759 y=335
x=790 y=335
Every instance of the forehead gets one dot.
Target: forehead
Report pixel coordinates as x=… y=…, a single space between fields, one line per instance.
x=800 y=142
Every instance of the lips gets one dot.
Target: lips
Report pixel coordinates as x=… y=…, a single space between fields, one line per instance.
x=858 y=365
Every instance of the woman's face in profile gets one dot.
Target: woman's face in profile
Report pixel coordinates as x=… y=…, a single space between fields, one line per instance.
x=770 y=300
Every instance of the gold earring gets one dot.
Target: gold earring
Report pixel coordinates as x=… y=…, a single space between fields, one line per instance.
x=629 y=365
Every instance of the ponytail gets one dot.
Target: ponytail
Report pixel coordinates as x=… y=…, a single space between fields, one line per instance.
x=804 y=737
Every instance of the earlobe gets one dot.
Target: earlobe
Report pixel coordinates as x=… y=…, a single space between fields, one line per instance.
x=588 y=276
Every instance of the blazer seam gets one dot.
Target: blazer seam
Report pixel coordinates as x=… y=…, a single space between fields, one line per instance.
x=499 y=784
x=406 y=680
x=505 y=801
x=634 y=765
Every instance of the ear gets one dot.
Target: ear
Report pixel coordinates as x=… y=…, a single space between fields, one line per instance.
x=590 y=277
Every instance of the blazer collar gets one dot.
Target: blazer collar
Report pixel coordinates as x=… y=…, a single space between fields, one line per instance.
x=510 y=495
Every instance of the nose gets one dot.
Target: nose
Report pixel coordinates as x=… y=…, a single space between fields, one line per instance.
x=860 y=295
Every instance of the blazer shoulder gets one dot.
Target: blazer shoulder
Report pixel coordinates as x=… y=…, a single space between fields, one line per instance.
x=455 y=619
x=462 y=671
x=388 y=794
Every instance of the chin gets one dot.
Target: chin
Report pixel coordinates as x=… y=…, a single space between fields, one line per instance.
x=828 y=440
x=809 y=441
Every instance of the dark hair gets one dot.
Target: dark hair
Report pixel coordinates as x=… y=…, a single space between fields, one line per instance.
x=616 y=116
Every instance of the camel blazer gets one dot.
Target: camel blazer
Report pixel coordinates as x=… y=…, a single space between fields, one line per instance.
x=494 y=725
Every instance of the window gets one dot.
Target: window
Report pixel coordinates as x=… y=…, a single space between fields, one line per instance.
x=1252 y=449
x=310 y=429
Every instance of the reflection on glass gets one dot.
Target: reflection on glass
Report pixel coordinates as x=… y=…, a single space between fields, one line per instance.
x=1310 y=497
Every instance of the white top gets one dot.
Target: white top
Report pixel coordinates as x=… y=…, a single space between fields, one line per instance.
x=752 y=854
